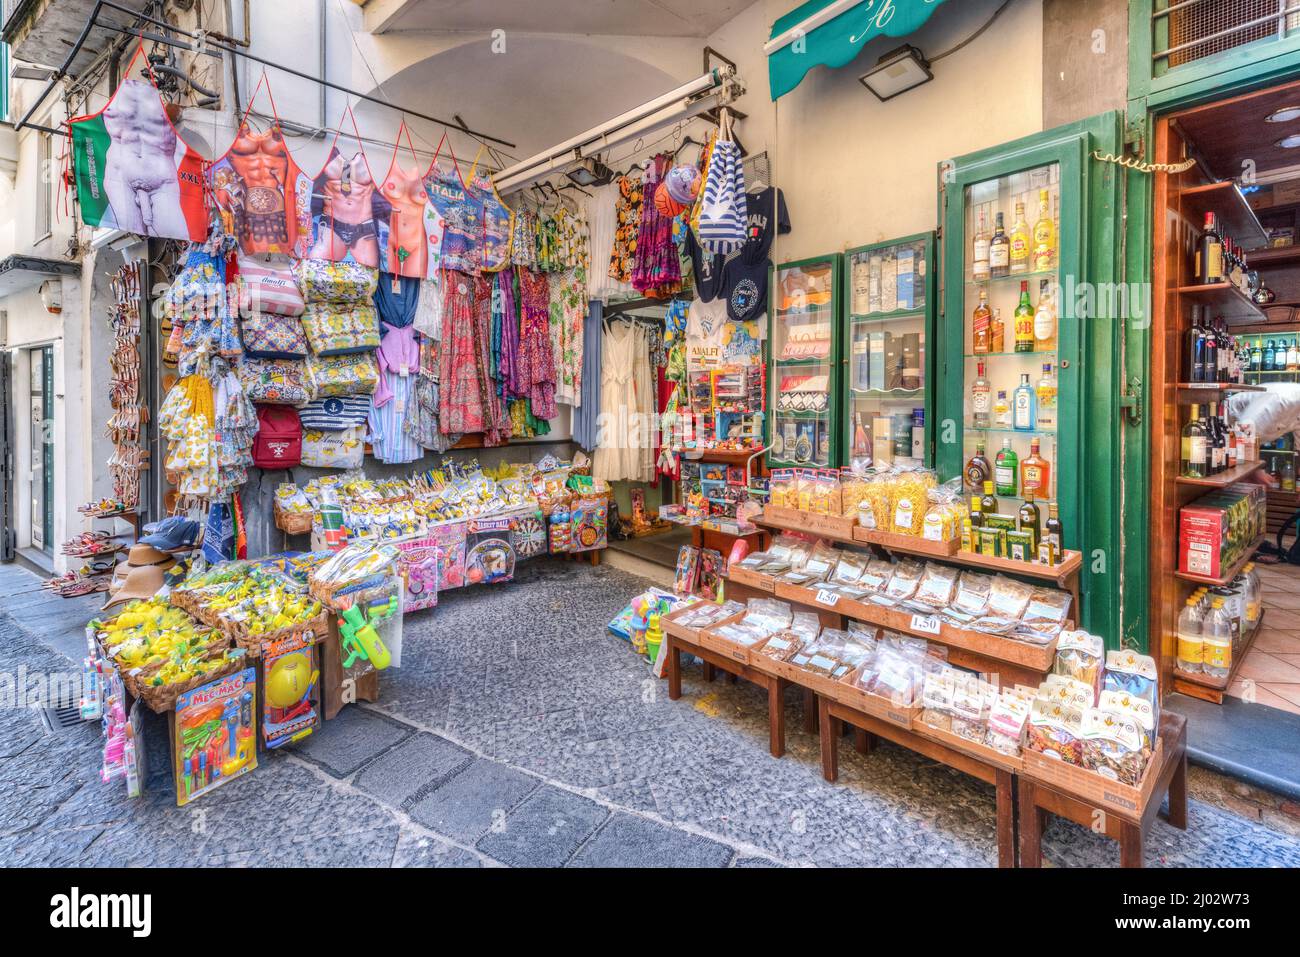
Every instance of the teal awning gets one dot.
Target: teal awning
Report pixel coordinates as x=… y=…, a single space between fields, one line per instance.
x=834 y=38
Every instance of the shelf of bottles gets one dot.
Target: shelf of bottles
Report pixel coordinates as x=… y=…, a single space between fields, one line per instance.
x=1010 y=338
x=889 y=310
x=804 y=360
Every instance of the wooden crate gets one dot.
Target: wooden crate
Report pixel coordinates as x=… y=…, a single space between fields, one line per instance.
x=711 y=640
x=975 y=749
x=820 y=684
x=743 y=576
x=832 y=526
x=847 y=692
x=911 y=544
x=1096 y=789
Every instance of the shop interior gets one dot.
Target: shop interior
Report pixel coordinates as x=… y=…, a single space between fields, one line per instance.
x=1226 y=294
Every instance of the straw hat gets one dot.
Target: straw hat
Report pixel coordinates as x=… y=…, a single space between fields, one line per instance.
x=143 y=556
x=141 y=582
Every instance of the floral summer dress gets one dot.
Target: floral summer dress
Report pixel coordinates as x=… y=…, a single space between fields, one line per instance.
x=627 y=216
x=536 y=353
x=567 y=312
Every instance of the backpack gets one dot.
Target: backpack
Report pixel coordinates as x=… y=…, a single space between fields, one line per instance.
x=278 y=443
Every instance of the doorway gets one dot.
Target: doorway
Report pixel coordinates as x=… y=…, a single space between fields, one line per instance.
x=1224 y=607
x=40 y=467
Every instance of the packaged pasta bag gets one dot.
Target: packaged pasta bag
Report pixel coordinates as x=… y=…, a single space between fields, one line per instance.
x=1139 y=709
x=1008 y=600
x=943 y=517
x=778 y=489
x=1080 y=655
x=1136 y=674
x=971 y=702
x=1113 y=746
x=909 y=501
x=853 y=490
x=1056 y=731
x=1063 y=689
x=873 y=510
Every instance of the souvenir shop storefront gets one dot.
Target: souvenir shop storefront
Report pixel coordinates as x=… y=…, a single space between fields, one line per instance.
x=894 y=463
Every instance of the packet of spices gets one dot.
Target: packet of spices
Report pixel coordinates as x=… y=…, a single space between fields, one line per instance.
x=1007 y=719
x=1129 y=671
x=877 y=573
x=1062 y=689
x=1131 y=706
x=1055 y=730
x=1113 y=746
x=936 y=698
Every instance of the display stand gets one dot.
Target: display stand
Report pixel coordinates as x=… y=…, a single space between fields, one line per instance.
x=1109 y=808
x=992 y=768
x=332 y=675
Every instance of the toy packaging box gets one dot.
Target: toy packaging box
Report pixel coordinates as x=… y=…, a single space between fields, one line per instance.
x=214 y=734
x=422 y=571
x=489 y=556
x=451 y=539
x=290 y=690
x=688 y=570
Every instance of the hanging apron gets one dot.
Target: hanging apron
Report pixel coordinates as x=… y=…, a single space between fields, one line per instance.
x=343 y=207
x=133 y=170
x=498 y=219
x=412 y=228
x=256 y=186
x=462 y=211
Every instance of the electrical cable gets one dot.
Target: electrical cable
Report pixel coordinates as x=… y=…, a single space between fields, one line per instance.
x=974 y=36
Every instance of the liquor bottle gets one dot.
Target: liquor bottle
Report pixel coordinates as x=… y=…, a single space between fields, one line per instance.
x=999 y=252
x=1196 y=348
x=1044 y=234
x=978 y=468
x=1029 y=517
x=1021 y=241
x=980 y=266
x=1209 y=351
x=1209 y=253
x=997 y=333
x=979 y=399
x=1046 y=394
x=1006 y=467
x=1045 y=318
x=1002 y=410
x=1022 y=405
x=1052 y=531
x=861 y=437
x=1256 y=356
x=980 y=322
x=1292 y=356
x=1193 y=455
x=1219 y=450
x=1036 y=471
x=989 y=503
x=1023 y=321
x=1227 y=349
x=1266 y=363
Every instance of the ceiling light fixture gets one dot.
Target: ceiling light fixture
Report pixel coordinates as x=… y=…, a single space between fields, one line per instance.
x=897 y=72
x=591 y=172
x=1289 y=142
x=1284 y=115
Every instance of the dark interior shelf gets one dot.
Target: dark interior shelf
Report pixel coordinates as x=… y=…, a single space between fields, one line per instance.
x=1224 y=300
x=1236 y=219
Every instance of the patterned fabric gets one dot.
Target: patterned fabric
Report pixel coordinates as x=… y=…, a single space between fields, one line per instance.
x=428 y=311
x=536 y=353
x=723 y=211
x=462 y=210
x=627 y=213
x=523 y=241
x=656 y=270
x=199 y=301
x=462 y=395
x=568 y=306
x=498 y=225
x=336 y=412
x=509 y=384
x=268 y=286
x=275 y=381
x=334 y=448
x=336 y=329
x=343 y=375
x=322 y=281
x=269 y=335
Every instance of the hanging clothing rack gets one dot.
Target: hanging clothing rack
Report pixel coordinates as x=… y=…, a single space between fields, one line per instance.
x=208 y=42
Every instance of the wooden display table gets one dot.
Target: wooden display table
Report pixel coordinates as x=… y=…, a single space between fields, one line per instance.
x=992 y=768
x=333 y=699
x=1110 y=808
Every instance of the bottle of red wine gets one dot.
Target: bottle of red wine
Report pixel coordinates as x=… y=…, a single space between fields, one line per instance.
x=1209 y=253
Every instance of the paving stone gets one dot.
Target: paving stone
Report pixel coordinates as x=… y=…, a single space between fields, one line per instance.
x=468 y=804
x=545 y=830
x=352 y=739
x=629 y=841
x=421 y=761
x=752 y=862
x=415 y=849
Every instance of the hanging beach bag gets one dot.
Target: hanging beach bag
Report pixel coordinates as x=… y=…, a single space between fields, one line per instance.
x=275 y=381
x=723 y=211
x=320 y=280
x=278 y=444
x=329 y=449
x=268 y=286
x=337 y=329
x=343 y=375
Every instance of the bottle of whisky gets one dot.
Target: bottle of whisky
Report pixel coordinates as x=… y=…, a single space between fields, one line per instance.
x=1021 y=242
x=980 y=324
x=997 y=333
x=1023 y=321
x=1044 y=234
x=999 y=252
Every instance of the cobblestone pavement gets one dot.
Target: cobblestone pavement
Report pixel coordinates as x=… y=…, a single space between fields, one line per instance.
x=519 y=732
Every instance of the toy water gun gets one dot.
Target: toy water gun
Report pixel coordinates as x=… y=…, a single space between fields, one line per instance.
x=359 y=639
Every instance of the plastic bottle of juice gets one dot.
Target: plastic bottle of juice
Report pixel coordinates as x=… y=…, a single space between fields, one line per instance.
x=1191 y=643
x=1254 y=603
x=1217 y=633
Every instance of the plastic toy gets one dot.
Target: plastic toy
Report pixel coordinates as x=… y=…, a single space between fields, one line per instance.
x=360 y=640
x=215 y=734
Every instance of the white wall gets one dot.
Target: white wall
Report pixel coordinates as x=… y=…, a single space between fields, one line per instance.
x=855 y=170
